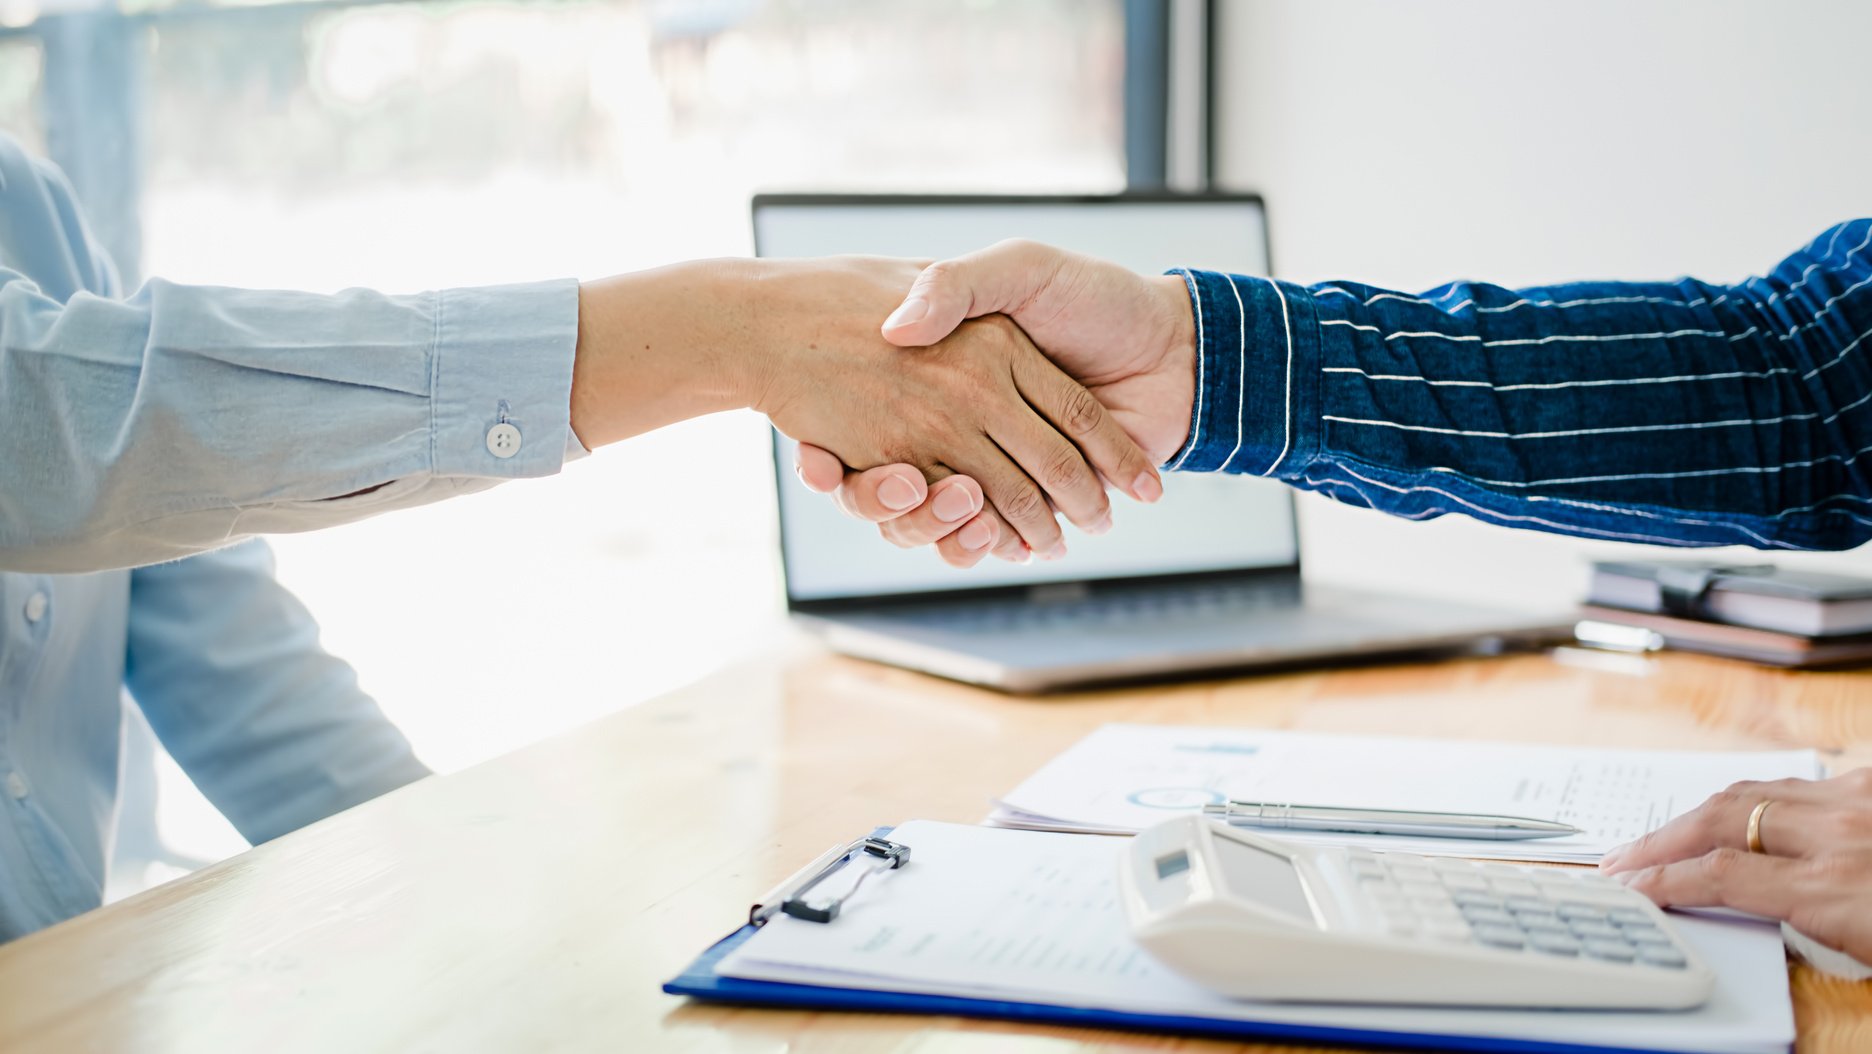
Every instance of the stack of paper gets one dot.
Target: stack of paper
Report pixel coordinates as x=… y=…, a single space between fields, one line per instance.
x=1035 y=918
x=1123 y=778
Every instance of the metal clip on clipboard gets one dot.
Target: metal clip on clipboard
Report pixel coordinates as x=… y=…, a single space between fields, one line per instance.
x=789 y=897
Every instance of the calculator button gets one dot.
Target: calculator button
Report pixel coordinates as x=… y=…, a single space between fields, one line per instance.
x=1458 y=880
x=1646 y=935
x=1518 y=903
x=1573 y=911
x=1468 y=898
x=1515 y=887
x=1630 y=917
x=1611 y=951
x=1668 y=958
x=1489 y=916
x=1539 y=920
x=1413 y=873
x=1370 y=873
x=1499 y=936
x=1600 y=930
x=1424 y=891
x=1552 y=943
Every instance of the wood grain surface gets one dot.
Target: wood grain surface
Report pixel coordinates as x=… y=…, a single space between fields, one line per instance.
x=536 y=902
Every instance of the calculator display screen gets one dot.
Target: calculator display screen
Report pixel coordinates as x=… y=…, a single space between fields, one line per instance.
x=1264 y=878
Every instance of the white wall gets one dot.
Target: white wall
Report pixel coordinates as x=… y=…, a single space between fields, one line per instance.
x=1408 y=144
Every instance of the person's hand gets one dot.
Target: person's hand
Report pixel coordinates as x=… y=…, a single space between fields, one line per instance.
x=1128 y=338
x=982 y=402
x=1814 y=871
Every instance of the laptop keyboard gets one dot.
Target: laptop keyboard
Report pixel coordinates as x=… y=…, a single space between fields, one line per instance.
x=1129 y=606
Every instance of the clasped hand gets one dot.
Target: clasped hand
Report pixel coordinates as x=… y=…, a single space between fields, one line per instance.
x=976 y=400
x=1128 y=339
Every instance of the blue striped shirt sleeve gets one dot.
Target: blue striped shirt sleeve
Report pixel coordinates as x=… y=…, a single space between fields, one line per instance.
x=1676 y=413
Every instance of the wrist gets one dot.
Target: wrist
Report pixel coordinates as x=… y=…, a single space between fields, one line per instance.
x=661 y=346
x=1179 y=353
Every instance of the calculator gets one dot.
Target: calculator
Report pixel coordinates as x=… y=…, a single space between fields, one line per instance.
x=1259 y=918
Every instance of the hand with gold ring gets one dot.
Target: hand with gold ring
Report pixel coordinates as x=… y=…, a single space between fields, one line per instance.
x=1795 y=850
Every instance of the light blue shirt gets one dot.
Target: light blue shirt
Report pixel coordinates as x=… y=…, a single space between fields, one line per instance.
x=142 y=432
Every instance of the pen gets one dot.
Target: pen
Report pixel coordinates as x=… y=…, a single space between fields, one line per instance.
x=1384 y=821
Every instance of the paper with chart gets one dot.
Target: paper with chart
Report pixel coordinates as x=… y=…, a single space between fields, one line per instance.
x=1122 y=778
x=1035 y=917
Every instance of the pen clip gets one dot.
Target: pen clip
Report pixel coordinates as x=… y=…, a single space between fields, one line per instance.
x=789 y=897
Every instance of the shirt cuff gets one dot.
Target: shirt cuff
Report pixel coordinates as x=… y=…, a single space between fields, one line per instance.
x=501 y=380
x=1257 y=376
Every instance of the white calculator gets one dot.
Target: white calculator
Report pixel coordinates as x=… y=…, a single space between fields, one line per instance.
x=1258 y=918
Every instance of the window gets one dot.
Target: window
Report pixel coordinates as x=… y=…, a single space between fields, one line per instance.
x=406 y=146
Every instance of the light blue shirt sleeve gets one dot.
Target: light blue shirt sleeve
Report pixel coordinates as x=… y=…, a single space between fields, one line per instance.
x=226 y=665
x=173 y=424
x=186 y=418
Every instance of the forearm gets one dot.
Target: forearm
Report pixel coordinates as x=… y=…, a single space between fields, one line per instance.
x=1678 y=413
x=227 y=667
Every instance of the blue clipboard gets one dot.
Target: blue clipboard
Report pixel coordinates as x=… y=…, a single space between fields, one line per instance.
x=702 y=980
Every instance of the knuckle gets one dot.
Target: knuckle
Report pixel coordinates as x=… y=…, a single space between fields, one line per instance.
x=1855 y=826
x=1080 y=413
x=937 y=274
x=999 y=328
x=1017 y=246
x=1720 y=866
x=1024 y=505
x=1061 y=470
x=1835 y=869
x=1860 y=780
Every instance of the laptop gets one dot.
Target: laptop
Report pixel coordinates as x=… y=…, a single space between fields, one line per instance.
x=1206 y=579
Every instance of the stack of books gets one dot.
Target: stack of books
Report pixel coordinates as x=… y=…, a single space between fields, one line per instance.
x=1761 y=613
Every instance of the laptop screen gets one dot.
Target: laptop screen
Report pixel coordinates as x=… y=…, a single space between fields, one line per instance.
x=1202 y=524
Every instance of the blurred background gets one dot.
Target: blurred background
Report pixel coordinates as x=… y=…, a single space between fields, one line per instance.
x=415 y=145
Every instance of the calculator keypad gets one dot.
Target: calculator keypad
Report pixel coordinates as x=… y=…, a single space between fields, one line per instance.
x=1543 y=911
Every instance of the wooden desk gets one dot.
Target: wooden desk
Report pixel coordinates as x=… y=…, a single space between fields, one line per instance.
x=537 y=901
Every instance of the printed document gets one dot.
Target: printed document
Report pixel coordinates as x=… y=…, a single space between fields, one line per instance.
x=1123 y=778
x=1035 y=917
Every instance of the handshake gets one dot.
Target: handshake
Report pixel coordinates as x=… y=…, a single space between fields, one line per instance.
x=962 y=403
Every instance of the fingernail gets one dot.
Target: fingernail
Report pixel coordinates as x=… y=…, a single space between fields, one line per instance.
x=1626 y=878
x=912 y=310
x=954 y=504
x=1056 y=552
x=975 y=536
x=897 y=494
x=1147 y=487
x=1101 y=525
x=1610 y=860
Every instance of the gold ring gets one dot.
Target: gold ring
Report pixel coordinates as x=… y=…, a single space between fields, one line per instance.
x=1754 y=827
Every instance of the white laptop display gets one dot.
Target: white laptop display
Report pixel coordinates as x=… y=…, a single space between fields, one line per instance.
x=1208 y=577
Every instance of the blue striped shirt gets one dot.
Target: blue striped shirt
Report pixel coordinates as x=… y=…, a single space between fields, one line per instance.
x=1677 y=413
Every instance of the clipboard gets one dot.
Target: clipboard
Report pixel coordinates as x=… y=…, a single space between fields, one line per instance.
x=702 y=980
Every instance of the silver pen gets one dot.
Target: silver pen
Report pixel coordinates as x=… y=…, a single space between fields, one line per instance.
x=1384 y=821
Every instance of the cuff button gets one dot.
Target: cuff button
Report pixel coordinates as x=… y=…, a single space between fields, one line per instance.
x=503 y=441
